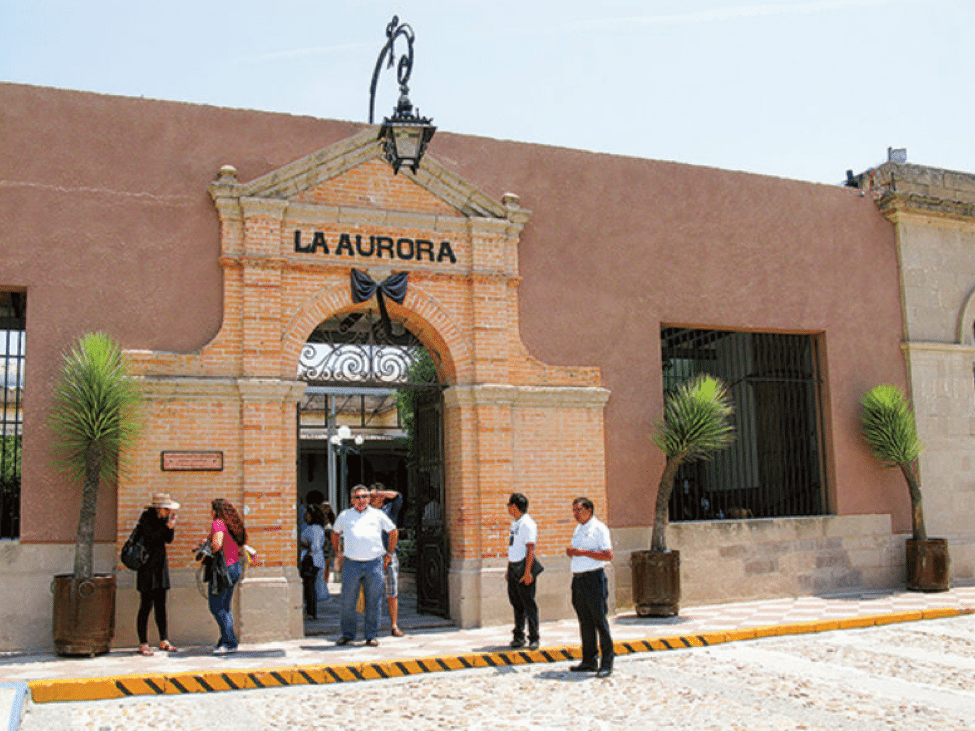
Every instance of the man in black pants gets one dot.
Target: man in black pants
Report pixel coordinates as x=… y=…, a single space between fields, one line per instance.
x=590 y=549
x=522 y=537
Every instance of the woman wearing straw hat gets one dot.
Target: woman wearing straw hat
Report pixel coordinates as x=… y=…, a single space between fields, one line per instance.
x=152 y=579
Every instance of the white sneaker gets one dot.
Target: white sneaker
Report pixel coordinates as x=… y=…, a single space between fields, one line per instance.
x=222 y=650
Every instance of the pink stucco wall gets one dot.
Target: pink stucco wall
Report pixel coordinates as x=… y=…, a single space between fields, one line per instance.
x=618 y=246
x=106 y=221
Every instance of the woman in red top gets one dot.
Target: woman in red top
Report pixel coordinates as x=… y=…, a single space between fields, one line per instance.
x=227 y=533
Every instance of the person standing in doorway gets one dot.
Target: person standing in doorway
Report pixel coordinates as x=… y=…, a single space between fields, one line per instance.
x=363 y=561
x=522 y=537
x=390 y=502
x=312 y=556
x=329 y=551
x=590 y=549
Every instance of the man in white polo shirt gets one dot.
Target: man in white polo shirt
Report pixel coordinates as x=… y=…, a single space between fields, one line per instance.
x=363 y=561
x=591 y=548
x=521 y=571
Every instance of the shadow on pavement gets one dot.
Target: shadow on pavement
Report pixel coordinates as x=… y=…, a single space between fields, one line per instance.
x=410 y=620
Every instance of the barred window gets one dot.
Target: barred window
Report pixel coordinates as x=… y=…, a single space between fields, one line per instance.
x=775 y=467
x=12 y=342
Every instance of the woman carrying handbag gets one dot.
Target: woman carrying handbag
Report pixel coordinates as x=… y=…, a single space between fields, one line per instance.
x=227 y=536
x=156 y=529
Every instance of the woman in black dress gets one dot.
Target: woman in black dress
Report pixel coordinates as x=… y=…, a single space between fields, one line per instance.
x=152 y=579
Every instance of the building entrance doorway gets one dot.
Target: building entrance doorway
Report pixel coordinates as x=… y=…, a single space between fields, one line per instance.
x=372 y=412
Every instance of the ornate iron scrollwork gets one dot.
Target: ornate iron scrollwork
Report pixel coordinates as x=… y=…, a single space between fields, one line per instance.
x=358 y=349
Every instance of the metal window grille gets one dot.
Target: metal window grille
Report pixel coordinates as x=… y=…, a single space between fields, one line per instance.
x=12 y=356
x=775 y=467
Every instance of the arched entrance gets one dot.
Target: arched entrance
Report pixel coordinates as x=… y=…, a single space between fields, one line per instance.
x=289 y=240
x=372 y=411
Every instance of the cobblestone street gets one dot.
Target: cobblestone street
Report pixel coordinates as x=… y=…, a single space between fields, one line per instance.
x=916 y=675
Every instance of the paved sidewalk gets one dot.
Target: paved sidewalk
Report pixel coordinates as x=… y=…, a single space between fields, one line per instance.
x=316 y=659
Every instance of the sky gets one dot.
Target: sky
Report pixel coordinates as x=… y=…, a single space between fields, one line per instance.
x=800 y=89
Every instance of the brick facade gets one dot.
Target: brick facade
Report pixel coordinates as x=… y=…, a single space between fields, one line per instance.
x=512 y=423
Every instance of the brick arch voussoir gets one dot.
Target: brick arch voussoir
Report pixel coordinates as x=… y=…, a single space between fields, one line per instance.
x=422 y=314
x=439 y=334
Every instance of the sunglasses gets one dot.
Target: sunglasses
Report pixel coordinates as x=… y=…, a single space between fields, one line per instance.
x=360 y=497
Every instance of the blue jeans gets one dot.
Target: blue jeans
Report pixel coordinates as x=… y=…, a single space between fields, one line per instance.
x=220 y=609
x=370 y=574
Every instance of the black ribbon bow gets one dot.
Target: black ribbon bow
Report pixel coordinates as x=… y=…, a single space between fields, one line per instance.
x=393 y=286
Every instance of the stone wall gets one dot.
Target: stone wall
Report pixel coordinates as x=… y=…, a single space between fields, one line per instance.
x=933 y=211
x=745 y=560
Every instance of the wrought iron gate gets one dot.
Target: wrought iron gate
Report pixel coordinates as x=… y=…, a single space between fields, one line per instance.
x=358 y=358
x=426 y=473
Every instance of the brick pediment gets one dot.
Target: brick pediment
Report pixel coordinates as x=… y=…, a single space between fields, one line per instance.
x=372 y=185
x=354 y=174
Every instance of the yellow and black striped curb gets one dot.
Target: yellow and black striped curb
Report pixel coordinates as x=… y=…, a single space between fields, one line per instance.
x=212 y=681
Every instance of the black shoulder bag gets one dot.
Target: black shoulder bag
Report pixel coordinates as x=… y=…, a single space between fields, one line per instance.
x=134 y=555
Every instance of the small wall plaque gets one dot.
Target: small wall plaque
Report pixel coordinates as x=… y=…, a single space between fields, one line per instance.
x=191 y=461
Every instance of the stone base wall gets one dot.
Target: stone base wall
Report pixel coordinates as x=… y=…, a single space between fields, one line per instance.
x=267 y=602
x=961 y=551
x=744 y=560
x=26 y=601
x=267 y=606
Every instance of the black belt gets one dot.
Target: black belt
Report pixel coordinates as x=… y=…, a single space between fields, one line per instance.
x=586 y=573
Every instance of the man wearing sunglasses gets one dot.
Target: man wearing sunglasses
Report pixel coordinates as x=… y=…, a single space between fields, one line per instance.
x=364 y=559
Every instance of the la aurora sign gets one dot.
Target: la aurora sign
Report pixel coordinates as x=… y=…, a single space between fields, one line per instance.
x=374 y=247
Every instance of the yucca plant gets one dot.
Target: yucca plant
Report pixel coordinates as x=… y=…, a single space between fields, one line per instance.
x=890 y=429
x=94 y=418
x=696 y=423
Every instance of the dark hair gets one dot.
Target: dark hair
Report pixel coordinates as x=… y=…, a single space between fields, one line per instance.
x=584 y=502
x=519 y=501
x=328 y=512
x=316 y=515
x=226 y=512
x=315 y=496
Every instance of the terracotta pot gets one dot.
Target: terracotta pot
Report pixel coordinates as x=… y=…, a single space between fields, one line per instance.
x=656 y=583
x=84 y=614
x=928 y=565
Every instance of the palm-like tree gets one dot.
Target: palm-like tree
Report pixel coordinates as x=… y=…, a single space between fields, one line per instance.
x=696 y=423
x=890 y=429
x=93 y=420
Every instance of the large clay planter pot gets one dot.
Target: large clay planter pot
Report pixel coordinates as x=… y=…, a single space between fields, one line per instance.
x=928 y=565
x=84 y=614
x=656 y=583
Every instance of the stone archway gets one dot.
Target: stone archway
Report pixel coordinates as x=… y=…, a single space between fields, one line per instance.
x=378 y=383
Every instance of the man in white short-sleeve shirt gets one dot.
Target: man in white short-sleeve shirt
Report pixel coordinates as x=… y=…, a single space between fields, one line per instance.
x=364 y=560
x=590 y=550
x=522 y=537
